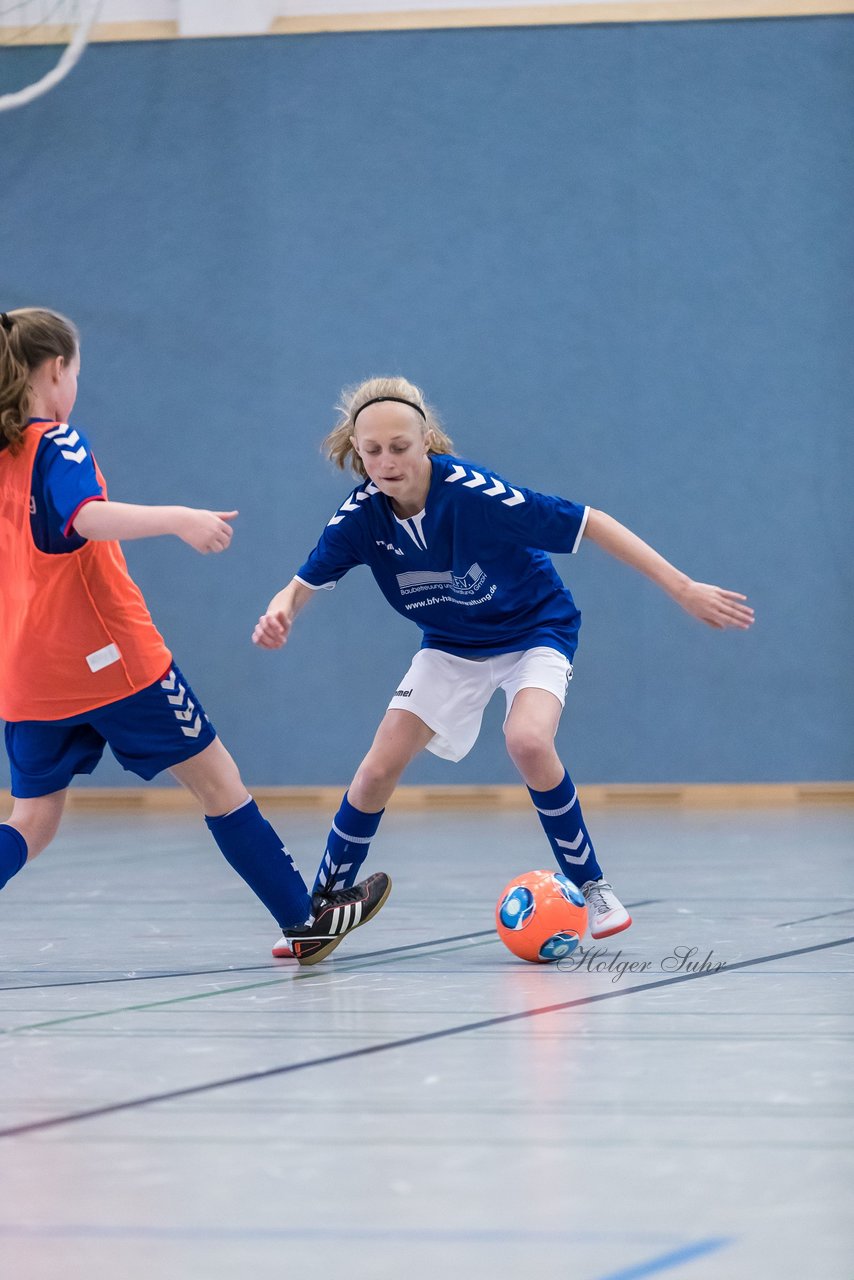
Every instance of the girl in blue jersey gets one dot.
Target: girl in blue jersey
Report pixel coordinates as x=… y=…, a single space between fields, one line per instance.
x=82 y=665
x=465 y=555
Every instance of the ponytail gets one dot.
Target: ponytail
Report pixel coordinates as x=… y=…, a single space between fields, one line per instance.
x=28 y=337
x=14 y=391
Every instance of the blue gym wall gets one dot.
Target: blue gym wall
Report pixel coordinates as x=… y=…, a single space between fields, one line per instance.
x=619 y=260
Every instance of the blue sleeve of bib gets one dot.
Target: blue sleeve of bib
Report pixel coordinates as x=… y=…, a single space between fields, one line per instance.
x=64 y=478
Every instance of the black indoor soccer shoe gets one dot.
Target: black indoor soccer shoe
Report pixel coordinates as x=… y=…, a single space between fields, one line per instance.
x=335 y=915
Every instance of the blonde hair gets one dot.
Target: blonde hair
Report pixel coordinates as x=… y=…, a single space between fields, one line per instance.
x=338 y=446
x=28 y=337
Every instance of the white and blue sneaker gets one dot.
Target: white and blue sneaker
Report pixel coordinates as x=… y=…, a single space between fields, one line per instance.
x=605 y=913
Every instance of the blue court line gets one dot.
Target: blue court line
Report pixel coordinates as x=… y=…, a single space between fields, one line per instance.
x=405 y=1042
x=665 y=1261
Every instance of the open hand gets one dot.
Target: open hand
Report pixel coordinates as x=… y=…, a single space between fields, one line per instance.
x=716 y=607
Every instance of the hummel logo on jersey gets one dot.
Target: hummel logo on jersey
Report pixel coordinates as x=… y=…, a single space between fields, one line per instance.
x=64 y=435
x=389 y=546
x=476 y=480
x=403 y=693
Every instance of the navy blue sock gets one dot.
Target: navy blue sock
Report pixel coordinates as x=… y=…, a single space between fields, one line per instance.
x=346 y=848
x=560 y=814
x=13 y=852
x=251 y=846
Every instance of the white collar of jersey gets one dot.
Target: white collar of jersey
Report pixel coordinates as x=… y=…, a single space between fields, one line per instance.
x=412 y=525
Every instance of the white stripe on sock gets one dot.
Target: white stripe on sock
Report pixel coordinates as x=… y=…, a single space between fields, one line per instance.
x=352 y=839
x=557 y=813
x=237 y=809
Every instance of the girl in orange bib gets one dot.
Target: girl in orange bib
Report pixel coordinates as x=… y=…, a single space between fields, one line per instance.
x=83 y=666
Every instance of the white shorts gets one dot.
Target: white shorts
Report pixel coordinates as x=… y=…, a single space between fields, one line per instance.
x=449 y=693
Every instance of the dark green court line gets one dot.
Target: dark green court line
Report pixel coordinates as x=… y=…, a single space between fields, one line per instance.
x=296 y=975
x=350 y=957
x=249 y=968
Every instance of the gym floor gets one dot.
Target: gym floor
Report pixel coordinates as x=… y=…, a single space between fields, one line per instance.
x=178 y=1103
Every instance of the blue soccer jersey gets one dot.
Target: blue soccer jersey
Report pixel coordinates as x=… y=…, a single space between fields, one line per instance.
x=471 y=569
x=64 y=480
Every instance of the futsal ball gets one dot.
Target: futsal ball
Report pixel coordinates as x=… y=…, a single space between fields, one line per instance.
x=541 y=916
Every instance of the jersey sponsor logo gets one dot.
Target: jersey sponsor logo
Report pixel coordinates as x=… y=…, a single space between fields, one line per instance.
x=352 y=503
x=461 y=584
x=66 y=438
x=475 y=480
x=426 y=601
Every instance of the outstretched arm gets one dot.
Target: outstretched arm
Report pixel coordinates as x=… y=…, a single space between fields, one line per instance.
x=274 y=626
x=710 y=604
x=108 y=521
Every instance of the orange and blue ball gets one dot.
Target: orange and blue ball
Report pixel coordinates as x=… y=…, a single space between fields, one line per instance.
x=541 y=916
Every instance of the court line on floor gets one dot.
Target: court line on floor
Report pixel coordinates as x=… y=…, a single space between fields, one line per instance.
x=348 y=1055
x=369 y=960
x=249 y=968
x=664 y=1262
x=219 y=990
x=807 y=919
x=267 y=968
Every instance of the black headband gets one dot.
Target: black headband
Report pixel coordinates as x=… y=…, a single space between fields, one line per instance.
x=396 y=399
x=6 y=322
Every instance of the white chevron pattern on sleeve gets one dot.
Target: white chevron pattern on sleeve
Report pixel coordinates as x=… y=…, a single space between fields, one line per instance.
x=351 y=503
x=497 y=487
x=63 y=435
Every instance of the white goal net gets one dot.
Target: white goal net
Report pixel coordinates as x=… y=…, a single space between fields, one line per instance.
x=54 y=34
